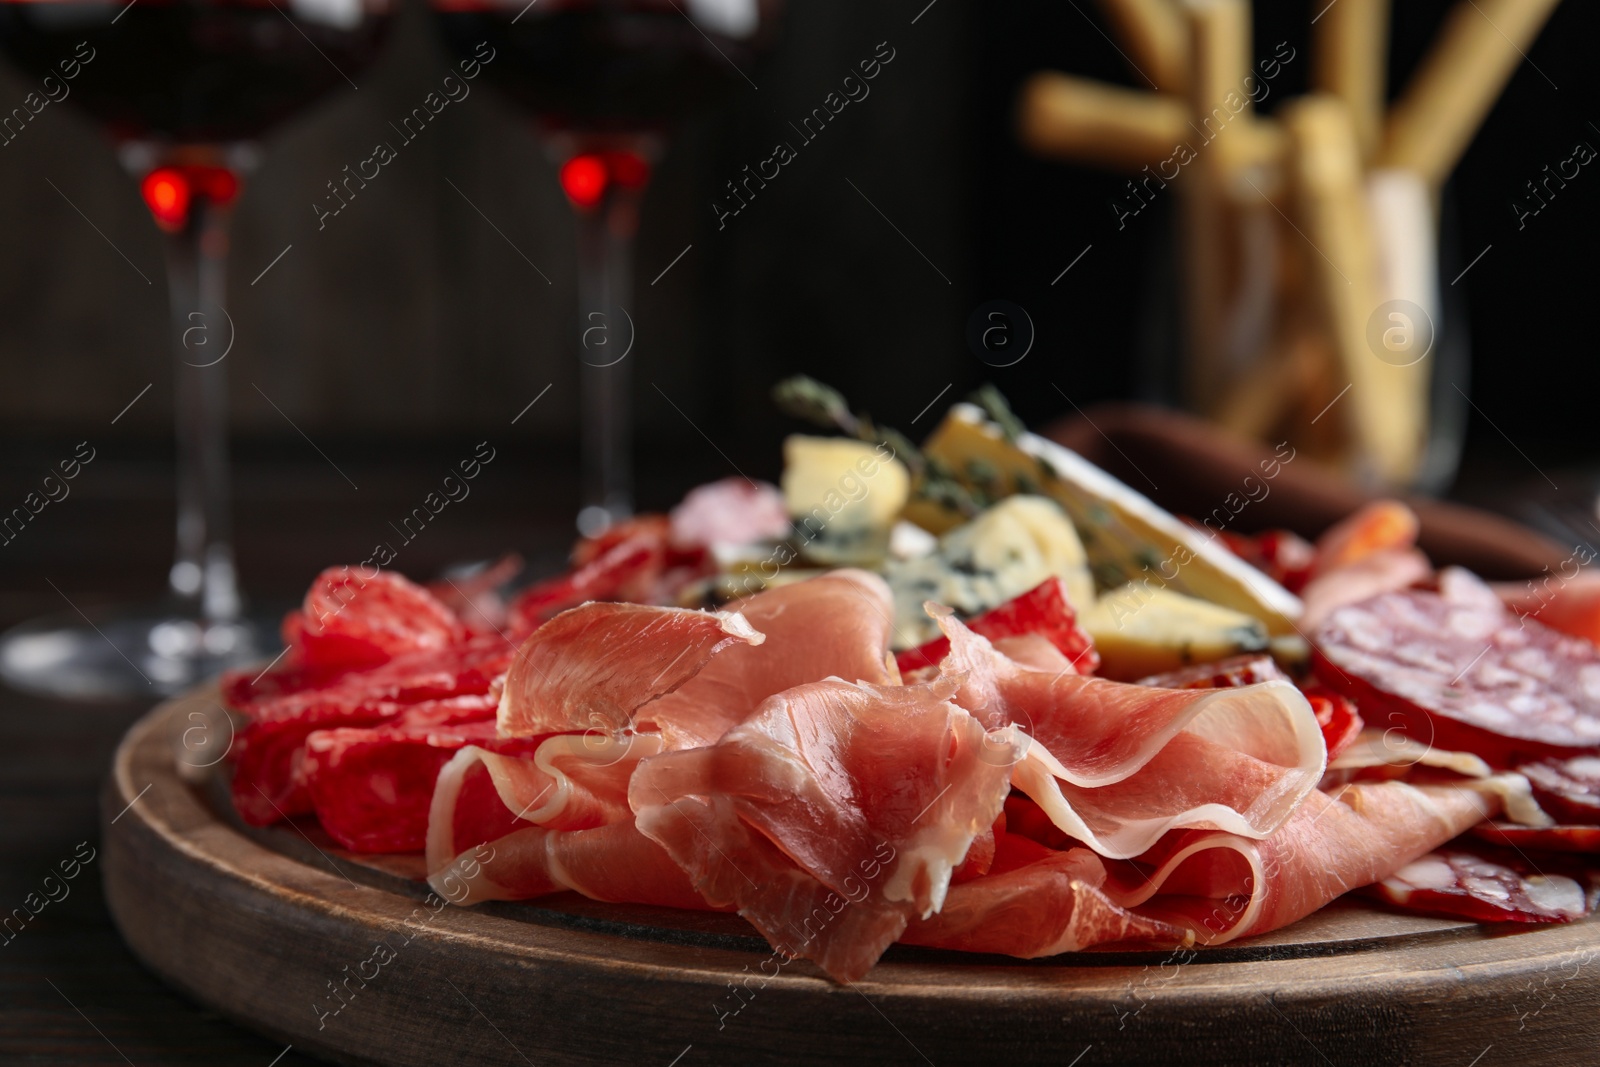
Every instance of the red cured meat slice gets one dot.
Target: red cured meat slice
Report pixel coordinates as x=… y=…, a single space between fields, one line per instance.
x=1249 y=669
x=269 y=778
x=466 y=669
x=1206 y=887
x=600 y=578
x=777 y=817
x=352 y=620
x=1223 y=887
x=1382 y=572
x=592 y=667
x=473 y=806
x=1461 y=884
x=371 y=788
x=1116 y=765
x=1045 y=610
x=1568 y=789
x=1037 y=902
x=476 y=598
x=836 y=625
x=1543 y=838
x=1337 y=716
x=1455 y=670
x=1282 y=555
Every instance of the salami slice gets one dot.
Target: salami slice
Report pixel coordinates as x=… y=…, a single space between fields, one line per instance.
x=1456 y=669
x=1543 y=838
x=1458 y=883
x=1567 y=789
x=1248 y=669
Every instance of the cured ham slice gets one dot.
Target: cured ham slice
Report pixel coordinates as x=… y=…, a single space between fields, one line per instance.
x=1037 y=902
x=612 y=863
x=1209 y=888
x=1468 y=886
x=592 y=667
x=1223 y=887
x=1116 y=765
x=1382 y=572
x=558 y=821
x=778 y=817
x=1336 y=716
x=836 y=625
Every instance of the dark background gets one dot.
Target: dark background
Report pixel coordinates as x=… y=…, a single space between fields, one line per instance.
x=410 y=328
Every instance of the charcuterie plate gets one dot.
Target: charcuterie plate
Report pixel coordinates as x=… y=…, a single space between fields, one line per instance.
x=352 y=958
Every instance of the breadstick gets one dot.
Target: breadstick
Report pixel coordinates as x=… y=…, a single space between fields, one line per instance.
x=1386 y=407
x=1450 y=94
x=1075 y=118
x=1154 y=33
x=1351 y=58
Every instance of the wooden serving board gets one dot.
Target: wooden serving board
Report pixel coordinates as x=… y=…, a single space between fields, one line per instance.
x=264 y=924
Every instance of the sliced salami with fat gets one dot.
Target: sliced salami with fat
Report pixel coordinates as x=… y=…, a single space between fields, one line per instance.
x=1458 y=670
x=1568 y=789
x=1542 y=838
x=1458 y=883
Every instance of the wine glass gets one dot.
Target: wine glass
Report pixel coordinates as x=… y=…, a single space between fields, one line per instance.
x=604 y=81
x=184 y=88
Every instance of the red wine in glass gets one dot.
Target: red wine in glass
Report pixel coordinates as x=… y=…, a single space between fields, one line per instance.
x=604 y=81
x=183 y=87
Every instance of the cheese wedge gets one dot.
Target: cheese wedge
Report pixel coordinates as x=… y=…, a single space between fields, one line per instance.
x=1144 y=630
x=1127 y=537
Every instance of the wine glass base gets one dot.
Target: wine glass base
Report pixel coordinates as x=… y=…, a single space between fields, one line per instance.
x=128 y=653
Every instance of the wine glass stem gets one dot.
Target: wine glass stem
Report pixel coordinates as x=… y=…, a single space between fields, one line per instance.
x=202 y=574
x=605 y=284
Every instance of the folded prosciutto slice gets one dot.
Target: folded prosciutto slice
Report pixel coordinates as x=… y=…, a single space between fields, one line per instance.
x=836 y=625
x=831 y=816
x=592 y=667
x=556 y=820
x=1116 y=765
x=1196 y=887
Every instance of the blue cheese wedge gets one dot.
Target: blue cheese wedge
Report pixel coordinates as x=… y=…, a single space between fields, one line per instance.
x=1127 y=537
x=1002 y=553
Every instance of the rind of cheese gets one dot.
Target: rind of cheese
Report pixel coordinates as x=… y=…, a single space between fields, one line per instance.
x=1002 y=553
x=1128 y=537
x=1140 y=631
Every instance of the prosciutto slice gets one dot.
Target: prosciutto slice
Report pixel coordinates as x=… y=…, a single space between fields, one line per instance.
x=556 y=820
x=1116 y=765
x=1206 y=888
x=1037 y=902
x=1223 y=887
x=592 y=667
x=832 y=815
x=836 y=625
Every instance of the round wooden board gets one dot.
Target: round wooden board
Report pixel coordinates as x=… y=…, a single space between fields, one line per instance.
x=264 y=925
